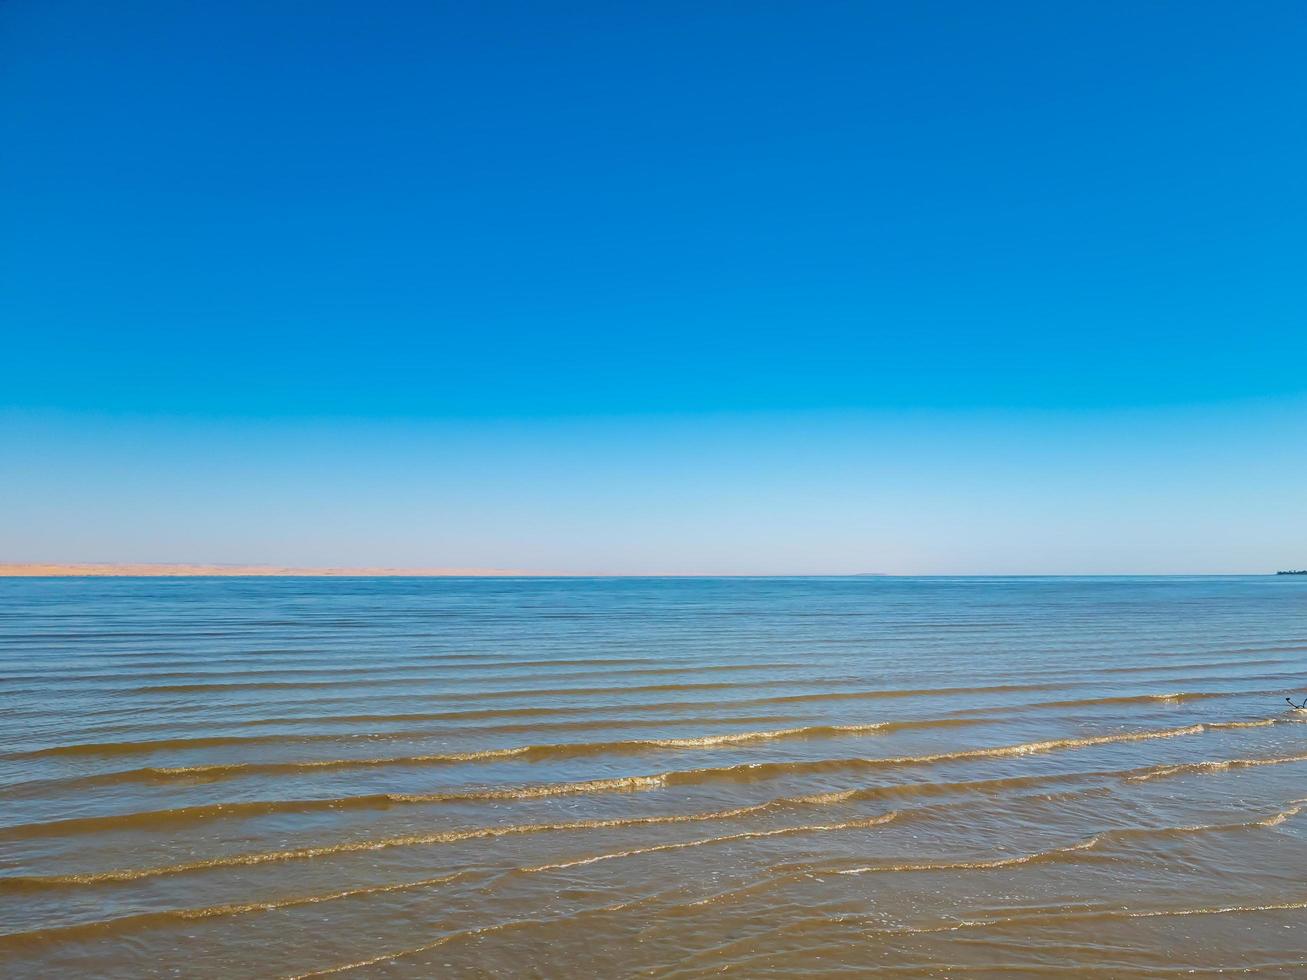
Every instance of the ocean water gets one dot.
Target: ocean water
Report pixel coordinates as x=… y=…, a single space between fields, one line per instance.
x=666 y=777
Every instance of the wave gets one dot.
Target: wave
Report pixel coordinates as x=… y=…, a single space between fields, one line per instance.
x=479 y=713
x=765 y=770
x=1077 y=915
x=25 y=883
x=876 y=821
x=1294 y=808
x=1075 y=851
x=218 y=680
x=141 y=920
x=1198 y=665
x=991 y=786
x=528 y=753
x=83 y=930
x=445 y=696
x=154 y=670
x=149 y=819
x=994 y=786
x=744 y=771
x=1177 y=697
x=1213 y=765
x=153 y=746
x=910 y=693
x=395 y=954
x=735 y=703
x=202 y=687
x=111 y=748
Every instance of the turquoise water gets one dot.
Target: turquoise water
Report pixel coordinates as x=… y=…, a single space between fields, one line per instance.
x=563 y=777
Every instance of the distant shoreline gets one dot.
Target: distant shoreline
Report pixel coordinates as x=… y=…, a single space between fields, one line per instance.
x=200 y=570
x=185 y=570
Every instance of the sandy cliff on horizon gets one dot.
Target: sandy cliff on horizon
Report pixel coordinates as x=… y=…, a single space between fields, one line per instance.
x=34 y=569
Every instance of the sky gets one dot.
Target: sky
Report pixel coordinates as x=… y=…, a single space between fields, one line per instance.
x=921 y=288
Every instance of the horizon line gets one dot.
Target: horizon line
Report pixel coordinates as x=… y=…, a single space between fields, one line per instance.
x=241 y=570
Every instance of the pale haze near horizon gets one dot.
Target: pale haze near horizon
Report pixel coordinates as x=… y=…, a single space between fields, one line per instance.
x=1183 y=490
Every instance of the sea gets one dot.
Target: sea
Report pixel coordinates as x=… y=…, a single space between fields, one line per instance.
x=665 y=777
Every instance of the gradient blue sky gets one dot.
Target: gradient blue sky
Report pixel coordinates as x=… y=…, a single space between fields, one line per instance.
x=918 y=287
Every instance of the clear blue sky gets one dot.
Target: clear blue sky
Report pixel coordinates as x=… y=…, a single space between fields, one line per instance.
x=920 y=287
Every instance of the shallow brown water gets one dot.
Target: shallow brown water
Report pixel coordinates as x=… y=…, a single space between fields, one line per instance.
x=678 y=778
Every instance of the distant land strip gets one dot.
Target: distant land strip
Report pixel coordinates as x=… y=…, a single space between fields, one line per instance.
x=166 y=569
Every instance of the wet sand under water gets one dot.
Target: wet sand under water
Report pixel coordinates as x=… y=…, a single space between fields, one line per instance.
x=670 y=777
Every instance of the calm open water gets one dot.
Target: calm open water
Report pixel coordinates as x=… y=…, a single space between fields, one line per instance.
x=676 y=777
